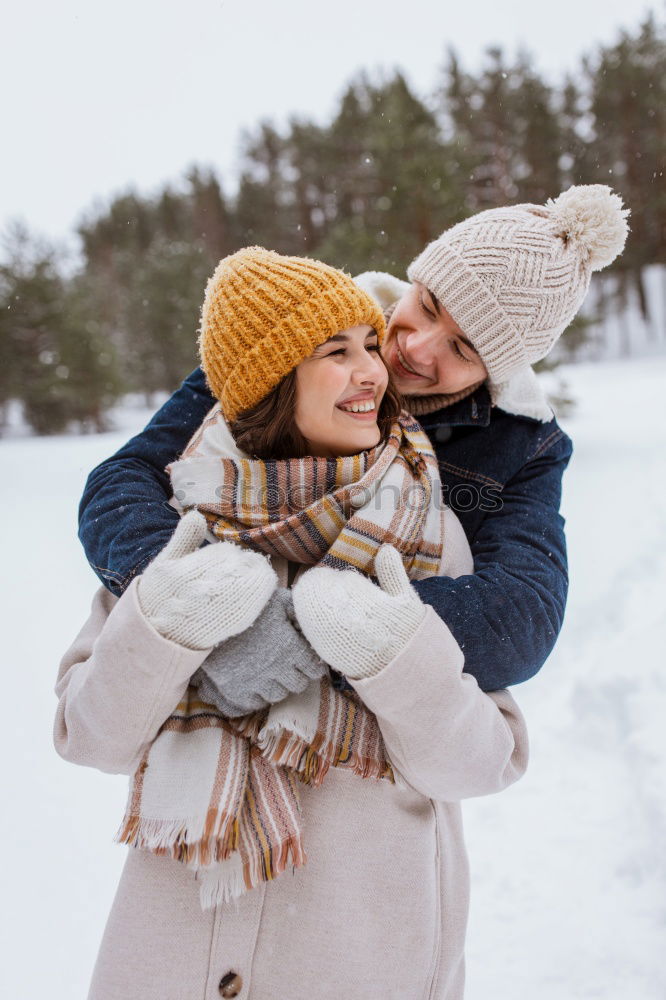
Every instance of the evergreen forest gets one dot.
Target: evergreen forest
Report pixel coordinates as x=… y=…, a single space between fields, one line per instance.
x=368 y=189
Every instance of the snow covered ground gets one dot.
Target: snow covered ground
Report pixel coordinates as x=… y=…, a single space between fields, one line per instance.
x=569 y=876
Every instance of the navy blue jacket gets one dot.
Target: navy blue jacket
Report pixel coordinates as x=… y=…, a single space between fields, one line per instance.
x=502 y=475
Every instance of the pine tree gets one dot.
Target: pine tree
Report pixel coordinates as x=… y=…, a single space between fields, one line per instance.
x=480 y=114
x=159 y=319
x=505 y=123
x=538 y=136
x=627 y=87
x=398 y=183
x=265 y=212
x=573 y=114
x=210 y=221
x=60 y=369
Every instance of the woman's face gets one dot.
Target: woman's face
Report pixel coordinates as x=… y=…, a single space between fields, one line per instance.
x=425 y=350
x=338 y=392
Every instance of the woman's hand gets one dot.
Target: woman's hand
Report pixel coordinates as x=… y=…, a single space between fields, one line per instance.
x=261 y=667
x=354 y=625
x=198 y=597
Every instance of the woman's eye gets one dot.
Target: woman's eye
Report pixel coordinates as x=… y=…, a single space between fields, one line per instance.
x=342 y=350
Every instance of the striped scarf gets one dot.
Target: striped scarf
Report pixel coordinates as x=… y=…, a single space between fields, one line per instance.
x=222 y=795
x=332 y=511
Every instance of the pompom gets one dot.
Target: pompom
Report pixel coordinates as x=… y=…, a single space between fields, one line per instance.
x=592 y=216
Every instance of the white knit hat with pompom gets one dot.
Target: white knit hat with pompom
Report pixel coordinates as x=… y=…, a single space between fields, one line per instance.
x=514 y=278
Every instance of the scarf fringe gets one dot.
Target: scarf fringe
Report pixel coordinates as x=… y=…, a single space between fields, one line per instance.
x=183 y=840
x=232 y=878
x=312 y=765
x=292 y=724
x=221 y=884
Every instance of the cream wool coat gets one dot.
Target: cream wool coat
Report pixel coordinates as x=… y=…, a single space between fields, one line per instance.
x=379 y=911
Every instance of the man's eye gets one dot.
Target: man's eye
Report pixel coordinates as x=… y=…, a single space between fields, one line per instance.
x=463 y=357
x=372 y=347
x=426 y=310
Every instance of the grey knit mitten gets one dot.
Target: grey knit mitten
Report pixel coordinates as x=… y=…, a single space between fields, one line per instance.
x=263 y=665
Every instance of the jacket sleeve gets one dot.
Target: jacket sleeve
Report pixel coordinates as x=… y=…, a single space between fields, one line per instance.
x=508 y=614
x=117 y=683
x=445 y=737
x=124 y=515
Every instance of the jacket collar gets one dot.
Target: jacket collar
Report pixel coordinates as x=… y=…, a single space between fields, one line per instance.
x=472 y=411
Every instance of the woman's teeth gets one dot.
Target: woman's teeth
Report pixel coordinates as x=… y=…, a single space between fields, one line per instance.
x=404 y=363
x=363 y=407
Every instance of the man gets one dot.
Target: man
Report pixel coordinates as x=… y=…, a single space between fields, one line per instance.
x=488 y=299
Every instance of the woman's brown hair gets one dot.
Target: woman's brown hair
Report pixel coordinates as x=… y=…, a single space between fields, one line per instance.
x=268 y=429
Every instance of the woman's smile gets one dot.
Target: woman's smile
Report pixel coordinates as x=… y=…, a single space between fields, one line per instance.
x=362 y=406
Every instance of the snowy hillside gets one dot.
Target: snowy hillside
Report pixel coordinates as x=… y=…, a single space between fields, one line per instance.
x=569 y=878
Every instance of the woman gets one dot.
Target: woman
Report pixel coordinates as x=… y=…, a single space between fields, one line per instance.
x=365 y=783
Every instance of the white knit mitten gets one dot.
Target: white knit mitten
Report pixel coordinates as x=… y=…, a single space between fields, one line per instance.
x=354 y=625
x=200 y=597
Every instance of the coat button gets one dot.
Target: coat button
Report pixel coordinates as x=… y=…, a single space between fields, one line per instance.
x=230 y=984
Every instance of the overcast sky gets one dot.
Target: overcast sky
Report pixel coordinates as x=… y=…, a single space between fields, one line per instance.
x=99 y=96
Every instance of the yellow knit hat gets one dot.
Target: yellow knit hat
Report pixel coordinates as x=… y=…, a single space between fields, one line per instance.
x=265 y=313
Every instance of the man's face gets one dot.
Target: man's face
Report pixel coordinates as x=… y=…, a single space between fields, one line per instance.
x=425 y=350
